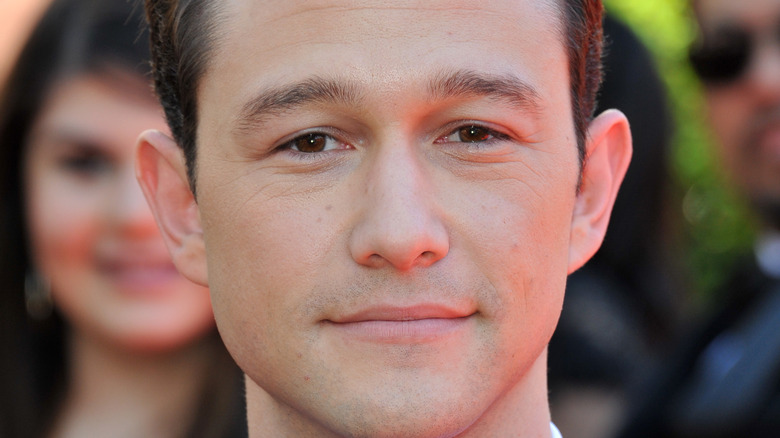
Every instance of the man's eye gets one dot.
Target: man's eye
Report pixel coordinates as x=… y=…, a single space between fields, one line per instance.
x=314 y=142
x=470 y=134
x=473 y=134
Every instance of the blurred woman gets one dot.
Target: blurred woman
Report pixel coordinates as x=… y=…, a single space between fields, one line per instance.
x=100 y=335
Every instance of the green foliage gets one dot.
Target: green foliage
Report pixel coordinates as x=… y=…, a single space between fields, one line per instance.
x=717 y=227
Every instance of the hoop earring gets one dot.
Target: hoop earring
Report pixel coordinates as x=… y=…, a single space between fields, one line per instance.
x=37 y=296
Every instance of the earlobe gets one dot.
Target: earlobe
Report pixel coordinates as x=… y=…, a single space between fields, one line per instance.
x=608 y=153
x=161 y=171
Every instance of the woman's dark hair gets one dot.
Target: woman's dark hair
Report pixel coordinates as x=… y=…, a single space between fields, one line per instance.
x=73 y=37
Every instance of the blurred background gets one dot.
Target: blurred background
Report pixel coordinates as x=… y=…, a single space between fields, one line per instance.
x=673 y=293
x=717 y=227
x=17 y=18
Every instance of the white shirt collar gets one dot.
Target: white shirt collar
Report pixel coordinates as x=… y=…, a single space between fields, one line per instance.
x=768 y=253
x=554 y=431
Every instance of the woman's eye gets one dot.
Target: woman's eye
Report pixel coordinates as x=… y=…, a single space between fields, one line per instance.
x=471 y=134
x=86 y=164
x=314 y=142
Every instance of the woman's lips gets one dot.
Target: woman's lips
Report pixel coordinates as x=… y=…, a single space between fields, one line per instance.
x=140 y=276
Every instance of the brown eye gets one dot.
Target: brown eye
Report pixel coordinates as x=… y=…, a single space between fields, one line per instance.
x=311 y=143
x=473 y=134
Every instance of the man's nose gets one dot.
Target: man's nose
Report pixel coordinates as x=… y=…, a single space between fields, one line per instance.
x=400 y=224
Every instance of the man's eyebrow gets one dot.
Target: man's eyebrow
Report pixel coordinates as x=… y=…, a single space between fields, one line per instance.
x=456 y=84
x=467 y=83
x=276 y=101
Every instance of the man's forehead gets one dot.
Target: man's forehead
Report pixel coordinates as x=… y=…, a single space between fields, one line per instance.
x=269 y=60
x=292 y=6
x=280 y=30
x=279 y=12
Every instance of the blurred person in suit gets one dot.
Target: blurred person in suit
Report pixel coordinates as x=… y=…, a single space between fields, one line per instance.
x=725 y=379
x=100 y=334
x=622 y=309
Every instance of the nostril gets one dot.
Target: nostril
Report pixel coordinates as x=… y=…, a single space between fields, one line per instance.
x=427 y=256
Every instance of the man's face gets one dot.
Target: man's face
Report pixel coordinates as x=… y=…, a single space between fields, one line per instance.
x=386 y=197
x=745 y=113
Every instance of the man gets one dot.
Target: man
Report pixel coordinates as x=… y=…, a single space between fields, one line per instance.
x=725 y=382
x=384 y=200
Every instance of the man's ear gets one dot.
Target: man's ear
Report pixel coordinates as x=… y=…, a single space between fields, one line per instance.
x=607 y=155
x=161 y=171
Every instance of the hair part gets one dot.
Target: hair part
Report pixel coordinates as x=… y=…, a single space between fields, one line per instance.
x=184 y=34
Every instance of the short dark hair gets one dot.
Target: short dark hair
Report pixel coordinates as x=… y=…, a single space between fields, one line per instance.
x=183 y=34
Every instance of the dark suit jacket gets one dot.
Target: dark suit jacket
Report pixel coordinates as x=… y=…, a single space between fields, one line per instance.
x=724 y=381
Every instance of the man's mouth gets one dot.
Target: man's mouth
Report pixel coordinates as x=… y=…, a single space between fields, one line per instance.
x=402 y=325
